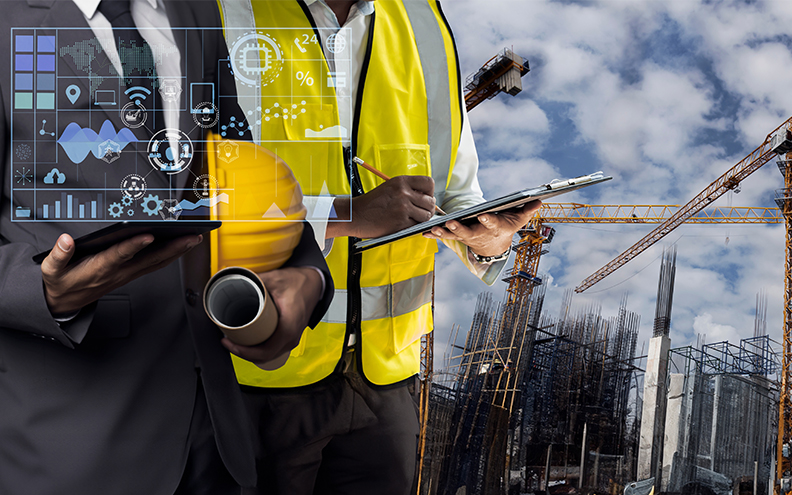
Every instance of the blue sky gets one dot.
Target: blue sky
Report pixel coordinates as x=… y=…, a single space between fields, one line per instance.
x=665 y=96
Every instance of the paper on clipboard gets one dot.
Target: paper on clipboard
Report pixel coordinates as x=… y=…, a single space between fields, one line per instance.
x=512 y=200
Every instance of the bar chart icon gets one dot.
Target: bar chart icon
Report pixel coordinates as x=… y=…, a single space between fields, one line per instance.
x=69 y=208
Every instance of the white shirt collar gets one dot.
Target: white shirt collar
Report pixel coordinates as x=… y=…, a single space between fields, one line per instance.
x=89 y=7
x=365 y=7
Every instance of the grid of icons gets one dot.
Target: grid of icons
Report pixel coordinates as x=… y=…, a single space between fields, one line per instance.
x=78 y=109
x=34 y=72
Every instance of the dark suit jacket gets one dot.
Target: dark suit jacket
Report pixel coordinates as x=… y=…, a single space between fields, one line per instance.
x=103 y=403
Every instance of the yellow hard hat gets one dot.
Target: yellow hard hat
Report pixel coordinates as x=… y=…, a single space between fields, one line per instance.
x=259 y=202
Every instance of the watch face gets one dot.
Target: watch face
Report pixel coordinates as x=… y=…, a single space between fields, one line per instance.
x=487 y=260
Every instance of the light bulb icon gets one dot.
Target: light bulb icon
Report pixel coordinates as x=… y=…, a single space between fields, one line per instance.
x=228 y=151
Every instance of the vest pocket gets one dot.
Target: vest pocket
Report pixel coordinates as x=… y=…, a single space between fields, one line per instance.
x=408 y=329
x=305 y=121
x=403 y=159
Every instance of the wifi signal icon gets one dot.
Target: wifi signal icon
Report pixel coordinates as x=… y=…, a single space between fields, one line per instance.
x=137 y=93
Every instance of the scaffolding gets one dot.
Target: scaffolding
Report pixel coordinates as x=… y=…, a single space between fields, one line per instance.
x=721 y=422
x=524 y=385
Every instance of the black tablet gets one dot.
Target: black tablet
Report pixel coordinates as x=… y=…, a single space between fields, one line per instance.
x=102 y=239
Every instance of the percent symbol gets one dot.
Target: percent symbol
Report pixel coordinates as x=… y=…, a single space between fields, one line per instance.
x=305 y=78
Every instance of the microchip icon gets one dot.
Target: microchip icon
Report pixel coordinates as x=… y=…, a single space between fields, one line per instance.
x=257 y=59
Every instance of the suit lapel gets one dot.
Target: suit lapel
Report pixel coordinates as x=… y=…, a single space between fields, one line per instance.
x=72 y=28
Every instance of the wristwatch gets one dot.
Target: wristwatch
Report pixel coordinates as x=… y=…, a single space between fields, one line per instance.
x=488 y=260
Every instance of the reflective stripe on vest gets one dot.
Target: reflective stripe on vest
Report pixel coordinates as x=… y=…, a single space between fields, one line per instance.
x=429 y=41
x=386 y=301
x=409 y=122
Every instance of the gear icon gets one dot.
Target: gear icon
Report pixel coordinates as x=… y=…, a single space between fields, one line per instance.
x=130 y=212
x=126 y=200
x=151 y=204
x=115 y=210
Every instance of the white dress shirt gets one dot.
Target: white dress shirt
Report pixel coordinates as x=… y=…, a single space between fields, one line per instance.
x=152 y=21
x=463 y=188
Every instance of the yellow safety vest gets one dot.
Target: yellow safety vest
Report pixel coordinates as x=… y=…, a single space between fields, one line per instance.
x=408 y=122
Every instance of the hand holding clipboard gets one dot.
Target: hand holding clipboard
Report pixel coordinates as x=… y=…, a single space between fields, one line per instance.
x=512 y=200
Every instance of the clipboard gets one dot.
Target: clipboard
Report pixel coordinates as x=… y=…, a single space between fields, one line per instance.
x=513 y=200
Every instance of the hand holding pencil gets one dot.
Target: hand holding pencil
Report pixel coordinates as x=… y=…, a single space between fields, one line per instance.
x=382 y=176
x=394 y=205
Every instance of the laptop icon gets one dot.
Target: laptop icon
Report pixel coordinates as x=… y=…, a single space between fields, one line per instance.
x=105 y=97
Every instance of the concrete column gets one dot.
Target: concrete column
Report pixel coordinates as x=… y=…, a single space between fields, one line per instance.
x=715 y=417
x=547 y=468
x=583 y=450
x=650 y=447
x=673 y=425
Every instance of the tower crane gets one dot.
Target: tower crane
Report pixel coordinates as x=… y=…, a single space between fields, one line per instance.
x=777 y=144
x=500 y=74
x=522 y=278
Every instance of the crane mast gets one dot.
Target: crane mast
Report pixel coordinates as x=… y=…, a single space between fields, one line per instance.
x=500 y=74
x=783 y=464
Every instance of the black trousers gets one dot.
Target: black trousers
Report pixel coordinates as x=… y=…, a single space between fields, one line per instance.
x=204 y=472
x=340 y=436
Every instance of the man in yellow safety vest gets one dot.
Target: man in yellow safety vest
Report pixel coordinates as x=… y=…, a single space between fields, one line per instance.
x=334 y=80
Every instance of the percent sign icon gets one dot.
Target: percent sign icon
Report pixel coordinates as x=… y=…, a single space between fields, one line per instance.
x=305 y=78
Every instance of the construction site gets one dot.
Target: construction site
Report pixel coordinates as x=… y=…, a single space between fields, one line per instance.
x=533 y=400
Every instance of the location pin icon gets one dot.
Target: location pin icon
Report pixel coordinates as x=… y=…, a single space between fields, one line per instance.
x=72 y=93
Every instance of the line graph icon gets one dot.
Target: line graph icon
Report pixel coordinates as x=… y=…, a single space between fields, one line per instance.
x=137 y=93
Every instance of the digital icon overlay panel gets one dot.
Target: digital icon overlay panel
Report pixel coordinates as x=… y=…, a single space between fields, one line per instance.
x=99 y=136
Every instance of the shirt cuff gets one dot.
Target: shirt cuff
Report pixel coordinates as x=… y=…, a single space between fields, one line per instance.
x=321 y=275
x=318 y=212
x=488 y=273
x=66 y=318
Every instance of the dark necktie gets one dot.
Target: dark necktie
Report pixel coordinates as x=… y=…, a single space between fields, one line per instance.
x=137 y=60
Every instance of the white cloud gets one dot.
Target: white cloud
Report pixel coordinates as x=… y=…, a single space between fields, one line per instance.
x=703 y=324
x=665 y=96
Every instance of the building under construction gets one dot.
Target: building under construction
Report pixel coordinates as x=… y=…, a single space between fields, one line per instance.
x=525 y=385
x=532 y=402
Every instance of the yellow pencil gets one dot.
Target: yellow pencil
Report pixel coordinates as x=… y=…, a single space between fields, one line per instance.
x=382 y=176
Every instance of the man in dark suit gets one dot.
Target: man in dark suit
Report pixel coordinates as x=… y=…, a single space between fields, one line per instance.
x=112 y=379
